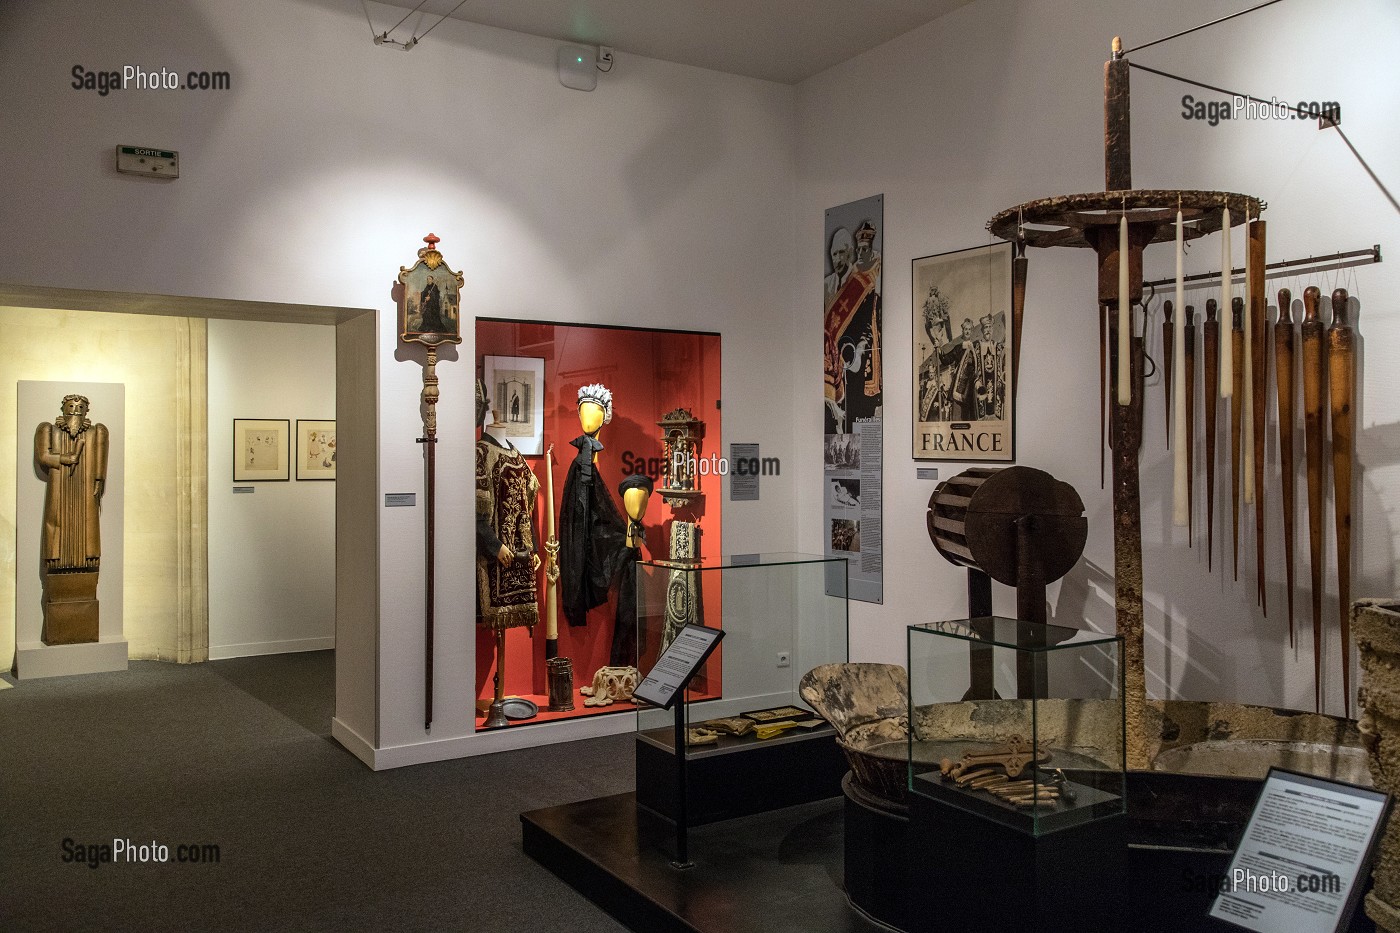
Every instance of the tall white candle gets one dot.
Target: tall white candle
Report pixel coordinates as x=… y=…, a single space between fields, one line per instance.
x=1181 y=508
x=1248 y=407
x=1227 y=369
x=1125 y=320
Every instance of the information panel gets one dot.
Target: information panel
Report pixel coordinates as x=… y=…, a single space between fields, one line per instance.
x=1303 y=863
x=677 y=665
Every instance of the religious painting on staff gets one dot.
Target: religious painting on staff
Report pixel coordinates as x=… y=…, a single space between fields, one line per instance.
x=315 y=450
x=427 y=295
x=853 y=403
x=515 y=385
x=260 y=450
x=962 y=355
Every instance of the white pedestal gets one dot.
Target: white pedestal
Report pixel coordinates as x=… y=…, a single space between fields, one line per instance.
x=36 y=659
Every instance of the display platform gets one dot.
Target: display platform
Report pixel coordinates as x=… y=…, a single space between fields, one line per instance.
x=36 y=659
x=739 y=775
x=776 y=872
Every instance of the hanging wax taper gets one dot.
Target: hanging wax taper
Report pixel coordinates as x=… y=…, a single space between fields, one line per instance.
x=1210 y=346
x=1236 y=421
x=1176 y=373
x=1314 y=382
x=1341 y=375
x=1283 y=381
x=1227 y=273
x=1186 y=420
x=1168 y=370
x=1258 y=396
x=1247 y=377
x=1125 y=319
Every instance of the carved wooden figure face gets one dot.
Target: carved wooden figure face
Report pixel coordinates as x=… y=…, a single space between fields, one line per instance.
x=590 y=416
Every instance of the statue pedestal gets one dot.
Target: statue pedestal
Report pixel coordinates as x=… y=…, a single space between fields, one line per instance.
x=70 y=608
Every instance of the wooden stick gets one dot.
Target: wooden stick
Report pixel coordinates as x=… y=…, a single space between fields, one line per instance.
x=1260 y=373
x=1210 y=349
x=1168 y=346
x=551 y=569
x=1189 y=352
x=1283 y=383
x=1314 y=381
x=1341 y=370
x=1236 y=421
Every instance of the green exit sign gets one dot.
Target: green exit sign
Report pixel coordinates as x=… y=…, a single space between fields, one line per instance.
x=153 y=163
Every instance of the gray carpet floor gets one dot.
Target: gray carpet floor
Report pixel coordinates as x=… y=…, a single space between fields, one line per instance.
x=238 y=753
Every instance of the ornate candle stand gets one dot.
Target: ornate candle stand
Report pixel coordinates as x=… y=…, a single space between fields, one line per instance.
x=1092 y=221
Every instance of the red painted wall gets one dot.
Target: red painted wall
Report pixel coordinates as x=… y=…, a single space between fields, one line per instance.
x=650 y=373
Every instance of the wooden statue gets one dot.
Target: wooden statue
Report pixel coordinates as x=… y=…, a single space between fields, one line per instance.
x=72 y=453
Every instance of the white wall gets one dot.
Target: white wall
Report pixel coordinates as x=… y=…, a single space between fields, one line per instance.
x=663 y=198
x=1000 y=102
x=271 y=552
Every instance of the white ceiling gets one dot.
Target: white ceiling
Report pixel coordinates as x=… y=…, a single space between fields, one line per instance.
x=779 y=40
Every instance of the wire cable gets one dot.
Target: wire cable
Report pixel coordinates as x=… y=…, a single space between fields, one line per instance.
x=1187 y=32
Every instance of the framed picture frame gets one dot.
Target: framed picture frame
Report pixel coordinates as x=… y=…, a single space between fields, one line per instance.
x=515 y=385
x=963 y=397
x=316 y=450
x=260 y=450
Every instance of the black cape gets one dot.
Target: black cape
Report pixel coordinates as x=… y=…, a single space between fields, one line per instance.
x=592 y=535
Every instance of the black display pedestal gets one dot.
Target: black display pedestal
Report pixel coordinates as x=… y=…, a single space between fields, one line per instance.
x=739 y=776
x=973 y=873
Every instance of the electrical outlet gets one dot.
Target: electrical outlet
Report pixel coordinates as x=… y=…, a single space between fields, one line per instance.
x=784 y=659
x=605 y=55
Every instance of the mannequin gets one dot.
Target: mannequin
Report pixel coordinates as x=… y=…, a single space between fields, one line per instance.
x=591 y=530
x=635 y=491
x=506 y=558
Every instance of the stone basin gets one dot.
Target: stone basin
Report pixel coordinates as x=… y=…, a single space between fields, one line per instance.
x=1246 y=758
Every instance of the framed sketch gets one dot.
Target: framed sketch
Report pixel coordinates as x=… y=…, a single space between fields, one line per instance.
x=963 y=397
x=516 y=387
x=260 y=450
x=315 y=450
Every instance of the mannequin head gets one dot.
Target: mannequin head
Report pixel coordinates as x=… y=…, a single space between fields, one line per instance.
x=636 y=492
x=590 y=417
x=595 y=407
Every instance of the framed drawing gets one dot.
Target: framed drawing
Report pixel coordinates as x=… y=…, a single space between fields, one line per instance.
x=260 y=450
x=315 y=450
x=962 y=355
x=516 y=386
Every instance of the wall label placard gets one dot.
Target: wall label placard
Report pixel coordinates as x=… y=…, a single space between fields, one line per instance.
x=680 y=662
x=399 y=500
x=244 y=490
x=1305 y=857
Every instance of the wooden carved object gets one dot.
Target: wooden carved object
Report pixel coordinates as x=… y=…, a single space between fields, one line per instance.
x=1314 y=382
x=1236 y=423
x=1341 y=372
x=1210 y=348
x=1260 y=358
x=1283 y=383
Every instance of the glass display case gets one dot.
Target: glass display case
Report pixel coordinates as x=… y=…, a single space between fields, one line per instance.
x=780 y=619
x=1018 y=722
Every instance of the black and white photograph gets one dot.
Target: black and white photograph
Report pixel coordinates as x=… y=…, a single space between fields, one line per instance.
x=962 y=355
x=516 y=386
x=844 y=493
x=842 y=452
